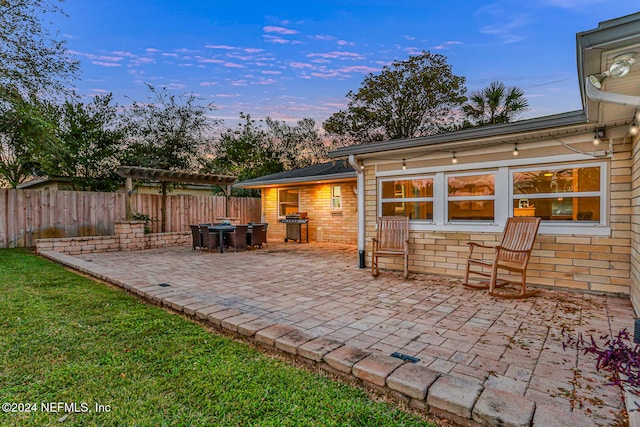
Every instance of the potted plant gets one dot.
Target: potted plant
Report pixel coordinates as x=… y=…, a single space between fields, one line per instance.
x=137 y=216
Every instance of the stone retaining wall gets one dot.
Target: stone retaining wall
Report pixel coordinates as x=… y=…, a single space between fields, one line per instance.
x=129 y=237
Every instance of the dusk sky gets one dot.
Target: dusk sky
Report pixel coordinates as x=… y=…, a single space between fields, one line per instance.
x=295 y=59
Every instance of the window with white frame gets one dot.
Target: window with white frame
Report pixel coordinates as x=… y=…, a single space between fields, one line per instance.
x=471 y=197
x=573 y=195
x=288 y=201
x=336 y=198
x=568 y=194
x=407 y=197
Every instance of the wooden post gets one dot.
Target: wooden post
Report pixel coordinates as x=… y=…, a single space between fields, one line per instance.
x=163 y=208
x=128 y=188
x=227 y=190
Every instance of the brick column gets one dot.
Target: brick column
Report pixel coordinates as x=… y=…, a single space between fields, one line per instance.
x=130 y=235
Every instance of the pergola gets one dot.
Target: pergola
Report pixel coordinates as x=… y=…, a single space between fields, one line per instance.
x=166 y=176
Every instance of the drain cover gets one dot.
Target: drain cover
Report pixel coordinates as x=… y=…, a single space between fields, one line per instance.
x=164 y=285
x=405 y=357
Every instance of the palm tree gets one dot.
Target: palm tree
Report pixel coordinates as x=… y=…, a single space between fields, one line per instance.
x=494 y=104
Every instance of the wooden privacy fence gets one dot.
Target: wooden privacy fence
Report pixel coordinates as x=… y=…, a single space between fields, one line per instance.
x=26 y=215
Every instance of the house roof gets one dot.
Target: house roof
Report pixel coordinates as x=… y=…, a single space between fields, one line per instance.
x=498 y=134
x=323 y=172
x=42 y=180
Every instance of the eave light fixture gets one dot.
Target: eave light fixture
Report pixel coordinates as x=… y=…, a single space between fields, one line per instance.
x=454 y=159
x=515 y=150
x=619 y=68
x=404 y=165
x=598 y=134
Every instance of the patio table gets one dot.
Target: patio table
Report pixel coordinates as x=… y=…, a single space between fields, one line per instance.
x=222 y=229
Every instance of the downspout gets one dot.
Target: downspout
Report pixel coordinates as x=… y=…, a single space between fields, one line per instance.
x=360 y=187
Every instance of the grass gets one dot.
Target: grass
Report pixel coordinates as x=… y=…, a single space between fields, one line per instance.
x=66 y=338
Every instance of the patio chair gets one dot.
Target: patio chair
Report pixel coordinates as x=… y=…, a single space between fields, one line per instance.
x=392 y=240
x=512 y=254
x=237 y=239
x=258 y=236
x=196 y=236
x=209 y=240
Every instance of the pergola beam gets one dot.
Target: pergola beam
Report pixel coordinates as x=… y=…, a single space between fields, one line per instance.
x=164 y=176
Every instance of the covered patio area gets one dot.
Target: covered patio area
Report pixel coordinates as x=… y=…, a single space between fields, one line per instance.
x=477 y=344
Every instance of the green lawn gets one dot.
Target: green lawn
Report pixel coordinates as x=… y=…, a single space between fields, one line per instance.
x=65 y=338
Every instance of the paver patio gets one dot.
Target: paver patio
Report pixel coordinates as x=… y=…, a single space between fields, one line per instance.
x=506 y=345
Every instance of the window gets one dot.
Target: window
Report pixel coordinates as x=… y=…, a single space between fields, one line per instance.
x=336 y=198
x=559 y=194
x=471 y=197
x=408 y=197
x=288 y=201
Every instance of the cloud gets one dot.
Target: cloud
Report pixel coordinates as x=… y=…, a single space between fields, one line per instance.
x=172 y=55
x=300 y=65
x=502 y=23
x=273 y=72
x=264 y=82
x=279 y=30
x=345 y=43
x=337 y=55
x=208 y=84
x=143 y=60
x=174 y=86
x=152 y=50
x=233 y=65
x=93 y=57
x=106 y=64
x=226 y=95
x=274 y=39
x=359 y=69
x=220 y=46
x=410 y=38
x=574 y=4
x=446 y=45
x=323 y=37
x=202 y=60
x=253 y=50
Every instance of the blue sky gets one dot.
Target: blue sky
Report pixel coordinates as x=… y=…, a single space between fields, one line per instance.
x=295 y=59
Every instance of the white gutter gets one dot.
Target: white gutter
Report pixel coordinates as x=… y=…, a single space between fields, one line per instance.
x=360 y=186
x=615 y=98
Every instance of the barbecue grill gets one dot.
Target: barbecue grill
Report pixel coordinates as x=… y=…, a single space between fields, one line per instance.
x=294 y=224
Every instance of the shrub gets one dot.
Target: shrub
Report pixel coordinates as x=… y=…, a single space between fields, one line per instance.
x=617 y=355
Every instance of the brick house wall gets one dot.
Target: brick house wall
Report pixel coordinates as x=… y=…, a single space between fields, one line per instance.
x=580 y=262
x=325 y=224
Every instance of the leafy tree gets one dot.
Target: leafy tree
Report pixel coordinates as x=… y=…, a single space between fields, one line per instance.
x=168 y=132
x=248 y=151
x=31 y=59
x=300 y=145
x=495 y=104
x=90 y=141
x=27 y=133
x=410 y=98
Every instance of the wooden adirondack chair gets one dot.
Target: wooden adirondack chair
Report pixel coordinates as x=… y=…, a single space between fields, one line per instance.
x=392 y=240
x=512 y=254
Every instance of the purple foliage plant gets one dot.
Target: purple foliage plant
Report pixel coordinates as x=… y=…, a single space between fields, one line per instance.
x=618 y=355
